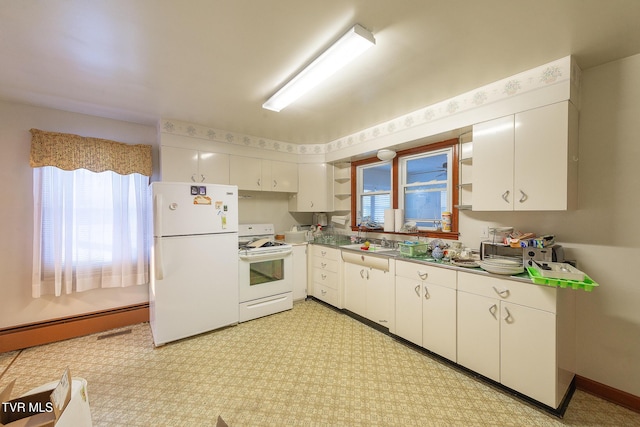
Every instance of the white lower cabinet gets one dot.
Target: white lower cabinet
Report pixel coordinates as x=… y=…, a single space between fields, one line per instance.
x=368 y=287
x=299 y=271
x=324 y=279
x=425 y=307
x=518 y=334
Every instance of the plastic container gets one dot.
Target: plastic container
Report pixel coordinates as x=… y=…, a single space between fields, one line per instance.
x=587 y=284
x=446 y=221
x=413 y=250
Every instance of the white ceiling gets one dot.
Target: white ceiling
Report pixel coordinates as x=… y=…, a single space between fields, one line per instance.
x=214 y=62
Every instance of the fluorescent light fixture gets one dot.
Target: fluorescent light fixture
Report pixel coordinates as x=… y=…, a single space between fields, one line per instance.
x=346 y=49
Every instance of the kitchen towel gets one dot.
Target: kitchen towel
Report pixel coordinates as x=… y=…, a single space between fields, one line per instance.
x=398 y=219
x=389 y=220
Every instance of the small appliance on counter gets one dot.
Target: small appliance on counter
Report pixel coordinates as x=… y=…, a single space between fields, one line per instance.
x=553 y=253
x=489 y=249
x=320 y=219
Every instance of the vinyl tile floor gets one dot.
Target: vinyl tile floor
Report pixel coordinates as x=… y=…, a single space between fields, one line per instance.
x=310 y=366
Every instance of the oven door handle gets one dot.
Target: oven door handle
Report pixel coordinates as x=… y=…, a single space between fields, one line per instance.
x=265 y=256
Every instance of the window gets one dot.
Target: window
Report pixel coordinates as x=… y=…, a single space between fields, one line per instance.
x=422 y=181
x=374 y=191
x=91 y=229
x=425 y=183
x=90 y=213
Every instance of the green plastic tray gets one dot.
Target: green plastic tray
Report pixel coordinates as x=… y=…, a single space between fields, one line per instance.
x=587 y=284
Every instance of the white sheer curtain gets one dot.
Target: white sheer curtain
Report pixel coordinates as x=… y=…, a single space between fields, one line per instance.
x=89 y=230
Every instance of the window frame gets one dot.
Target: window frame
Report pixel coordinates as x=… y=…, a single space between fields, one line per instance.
x=395 y=192
x=360 y=188
x=403 y=185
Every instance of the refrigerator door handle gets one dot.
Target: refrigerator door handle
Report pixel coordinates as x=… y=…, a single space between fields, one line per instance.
x=159 y=260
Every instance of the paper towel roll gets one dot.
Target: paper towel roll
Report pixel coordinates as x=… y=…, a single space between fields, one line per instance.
x=389 y=220
x=398 y=215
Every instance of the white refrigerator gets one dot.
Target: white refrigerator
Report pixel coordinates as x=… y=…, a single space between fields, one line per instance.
x=194 y=259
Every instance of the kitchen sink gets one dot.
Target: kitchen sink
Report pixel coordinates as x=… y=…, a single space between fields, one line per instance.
x=373 y=248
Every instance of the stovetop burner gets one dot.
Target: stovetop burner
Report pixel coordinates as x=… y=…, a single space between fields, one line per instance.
x=269 y=244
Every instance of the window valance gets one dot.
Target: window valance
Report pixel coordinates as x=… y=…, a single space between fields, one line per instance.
x=70 y=152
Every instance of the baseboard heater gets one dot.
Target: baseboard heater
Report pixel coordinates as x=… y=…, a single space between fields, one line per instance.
x=29 y=335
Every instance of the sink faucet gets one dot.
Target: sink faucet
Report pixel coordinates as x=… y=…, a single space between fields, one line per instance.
x=384 y=242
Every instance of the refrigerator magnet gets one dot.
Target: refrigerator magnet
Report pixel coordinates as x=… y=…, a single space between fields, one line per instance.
x=194 y=190
x=202 y=200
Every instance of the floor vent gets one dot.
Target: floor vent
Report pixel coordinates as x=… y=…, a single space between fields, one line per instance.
x=115 y=334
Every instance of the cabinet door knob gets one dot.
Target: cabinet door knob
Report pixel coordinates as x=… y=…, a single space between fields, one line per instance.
x=505 y=196
x=426 y=293
x=202 y=178
x=259 y=183
x=275 y=183
x=193 y=177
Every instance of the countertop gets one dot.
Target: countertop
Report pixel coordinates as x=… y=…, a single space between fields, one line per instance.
x=522 y=277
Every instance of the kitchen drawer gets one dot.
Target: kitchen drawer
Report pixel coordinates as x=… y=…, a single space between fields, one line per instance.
x=325 y=278
x=530 y=295
x=379 y=263
x=326 y=294
x=324 y=252
x=426 y=273
x=325 y=264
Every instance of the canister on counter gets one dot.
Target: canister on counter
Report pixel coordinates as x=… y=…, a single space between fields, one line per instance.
x=446 y=221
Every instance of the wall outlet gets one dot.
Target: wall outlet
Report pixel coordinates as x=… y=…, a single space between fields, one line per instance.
x=484 y=232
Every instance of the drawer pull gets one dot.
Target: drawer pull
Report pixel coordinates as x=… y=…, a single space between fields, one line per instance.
x=324 y=276
x=493 y=309
x=422 y=275
x=323 y=253
x=417 y=289
x=323 y=264
x=323 y=291
x=503 y=293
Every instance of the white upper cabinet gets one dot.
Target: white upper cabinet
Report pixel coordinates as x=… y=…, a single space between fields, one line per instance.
x=250 y=173
x=315 y=189
x=527 y=161
x=246 y=172
x=187 y=165
x=284 y=176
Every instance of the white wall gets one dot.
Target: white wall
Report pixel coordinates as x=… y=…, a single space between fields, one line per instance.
x=601 y=234
x=270 y=208
x=16 y=215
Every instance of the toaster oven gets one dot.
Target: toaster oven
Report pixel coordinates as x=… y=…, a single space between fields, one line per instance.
x=553 y=253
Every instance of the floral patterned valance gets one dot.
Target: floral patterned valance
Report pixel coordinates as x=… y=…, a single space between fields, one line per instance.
x=69 y=152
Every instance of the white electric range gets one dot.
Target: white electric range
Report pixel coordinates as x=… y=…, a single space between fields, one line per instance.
x=265 y=272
